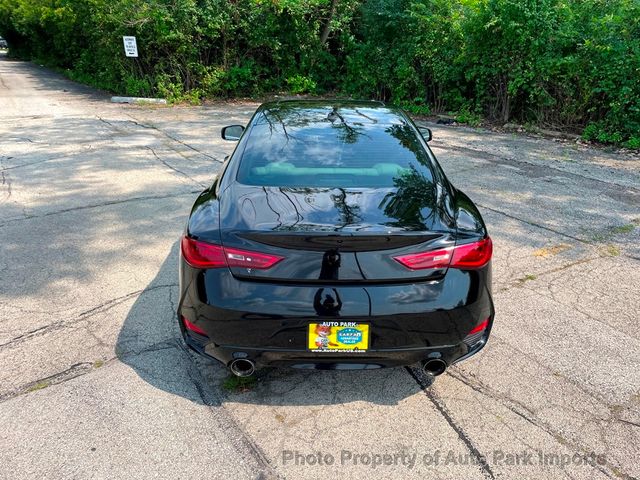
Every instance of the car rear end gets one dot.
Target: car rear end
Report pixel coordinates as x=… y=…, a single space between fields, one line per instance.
x=358 y=256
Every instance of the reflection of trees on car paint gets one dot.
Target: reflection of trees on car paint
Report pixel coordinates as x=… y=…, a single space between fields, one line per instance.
x=408 y=139
x=348 y=132
x=330 y=146
x=348 y=212
x=413 y=194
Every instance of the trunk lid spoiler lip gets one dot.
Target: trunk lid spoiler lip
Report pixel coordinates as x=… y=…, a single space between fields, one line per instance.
x=345 y=242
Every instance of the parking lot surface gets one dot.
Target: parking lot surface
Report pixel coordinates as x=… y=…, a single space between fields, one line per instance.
x=95 y=381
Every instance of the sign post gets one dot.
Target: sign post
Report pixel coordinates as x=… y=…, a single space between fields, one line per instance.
x=131 y=50
x=130 y=46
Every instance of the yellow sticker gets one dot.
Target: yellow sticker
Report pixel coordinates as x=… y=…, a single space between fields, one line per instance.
x=338 y=336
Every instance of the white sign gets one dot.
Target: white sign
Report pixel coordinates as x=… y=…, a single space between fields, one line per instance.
x=130 y=46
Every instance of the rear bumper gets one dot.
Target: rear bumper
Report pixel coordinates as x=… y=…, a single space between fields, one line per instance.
x=303 y=359
x=268 y=323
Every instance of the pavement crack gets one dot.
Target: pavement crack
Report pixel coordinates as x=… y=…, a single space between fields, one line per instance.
x=5 y=179
x=523 y=412
x=242 y=441
x=630 y=193
x=81 y=316
x=519 y=283
x=425 y=383
x=108 y=123
x=13 y=167
x=116 y=301
x=81 y=368
x=156 y=347
x=533 y=224
x=629 y=423
x=101 y=204
x=25 y=335
x=173 y=138
x=73 y=371
x=177 y=170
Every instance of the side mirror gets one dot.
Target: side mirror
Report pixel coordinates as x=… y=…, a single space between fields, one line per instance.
x=232 y=132
x=425 y=132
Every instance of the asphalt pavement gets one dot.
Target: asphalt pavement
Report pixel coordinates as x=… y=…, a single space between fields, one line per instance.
x=95 y=381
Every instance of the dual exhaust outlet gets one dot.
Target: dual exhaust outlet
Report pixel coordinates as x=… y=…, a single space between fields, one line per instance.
x=434 y=367
x=243 y=367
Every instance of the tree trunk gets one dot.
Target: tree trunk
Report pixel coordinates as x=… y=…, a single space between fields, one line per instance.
x=506 y=108
x=506 y=100
x=324 y=36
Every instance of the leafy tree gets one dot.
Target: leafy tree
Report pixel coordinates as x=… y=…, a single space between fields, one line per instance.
x=567 y=63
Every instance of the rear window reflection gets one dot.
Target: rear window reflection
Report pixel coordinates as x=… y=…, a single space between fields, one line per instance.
x=325 y=150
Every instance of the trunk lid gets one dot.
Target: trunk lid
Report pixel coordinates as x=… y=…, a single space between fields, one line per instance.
x=334 y=234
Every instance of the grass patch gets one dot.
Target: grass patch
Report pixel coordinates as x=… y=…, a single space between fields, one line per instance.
x=239 y=384
x=560 y=439
x=598 y=237
x=623 y=229
x=617 y=409
x=609 y=232
x=527 y=278
x=38 y=386
x=611 y=251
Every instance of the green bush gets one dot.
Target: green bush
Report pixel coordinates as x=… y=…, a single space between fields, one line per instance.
x=571 y=64
x=213 y=81
x=301 y=84
x=417 y=107
x=240 y=80
x=633 y=142
x=466 y=115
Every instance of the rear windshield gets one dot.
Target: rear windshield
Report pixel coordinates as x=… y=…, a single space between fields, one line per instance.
x=337 y=150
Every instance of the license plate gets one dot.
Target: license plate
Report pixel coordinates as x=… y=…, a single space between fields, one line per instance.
x=344 y=337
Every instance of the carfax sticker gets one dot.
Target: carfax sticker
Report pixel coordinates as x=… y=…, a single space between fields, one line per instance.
x=338 y=336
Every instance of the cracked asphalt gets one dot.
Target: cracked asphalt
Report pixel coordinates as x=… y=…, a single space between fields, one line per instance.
x=96 y=383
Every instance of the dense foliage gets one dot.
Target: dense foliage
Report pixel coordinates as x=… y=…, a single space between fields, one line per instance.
x=567 y=63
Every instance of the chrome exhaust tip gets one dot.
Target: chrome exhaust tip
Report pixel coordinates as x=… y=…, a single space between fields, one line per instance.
x=434 y=367
x=241 y=367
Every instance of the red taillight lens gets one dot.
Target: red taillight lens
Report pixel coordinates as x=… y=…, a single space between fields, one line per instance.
x=243 y=258
x=471 y=255
x=423 y=260
x=205 y=255
x=194 y=328
x=202 y=255
x=480 y=327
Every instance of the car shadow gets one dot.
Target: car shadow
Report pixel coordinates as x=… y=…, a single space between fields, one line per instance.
x=151 y=344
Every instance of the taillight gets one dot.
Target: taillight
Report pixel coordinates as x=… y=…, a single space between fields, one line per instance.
x=476 y=335
x=470 y=255
x=205 y=255
x=243 y=258
x=194 y=328
x=202 y=255
x=423 y=260
x=480 y=327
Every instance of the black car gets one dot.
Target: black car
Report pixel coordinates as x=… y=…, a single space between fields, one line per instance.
x=332 y=239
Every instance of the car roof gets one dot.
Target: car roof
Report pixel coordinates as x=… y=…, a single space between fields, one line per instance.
x=300 y=113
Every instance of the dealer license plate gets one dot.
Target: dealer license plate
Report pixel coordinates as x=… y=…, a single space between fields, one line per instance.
x=335 y=336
